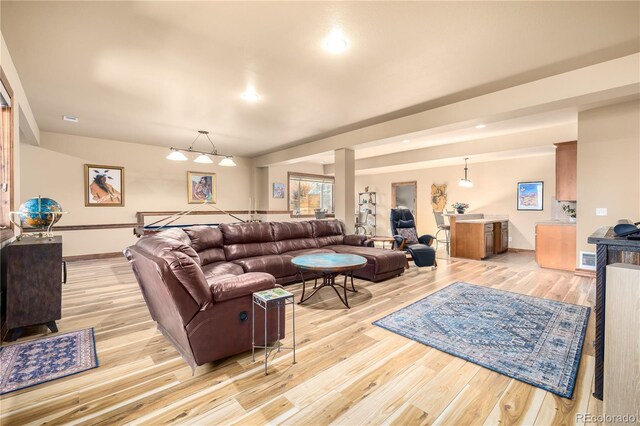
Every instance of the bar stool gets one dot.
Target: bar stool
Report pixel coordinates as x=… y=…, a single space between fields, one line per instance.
x=442 y=227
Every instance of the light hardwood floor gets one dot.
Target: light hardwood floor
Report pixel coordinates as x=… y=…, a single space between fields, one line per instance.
x=348 y=371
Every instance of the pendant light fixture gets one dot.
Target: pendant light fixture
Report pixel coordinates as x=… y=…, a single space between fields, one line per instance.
x=176 y=154
x=465 y=182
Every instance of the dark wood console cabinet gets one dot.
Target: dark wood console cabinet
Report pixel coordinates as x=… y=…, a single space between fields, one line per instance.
x=31 y=284
x=610 y=249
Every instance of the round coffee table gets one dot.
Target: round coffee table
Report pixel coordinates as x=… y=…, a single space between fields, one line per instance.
x=330 y=265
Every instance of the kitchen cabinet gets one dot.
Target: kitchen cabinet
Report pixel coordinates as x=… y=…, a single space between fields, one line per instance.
x=475 y=237
x=500 y=237
x=488 y=239
x=556 y=246
x=566 y=171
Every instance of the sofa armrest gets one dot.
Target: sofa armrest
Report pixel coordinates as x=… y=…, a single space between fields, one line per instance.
x=368 y=243
x=354 y=240
x=226 y=287
x=426 y=239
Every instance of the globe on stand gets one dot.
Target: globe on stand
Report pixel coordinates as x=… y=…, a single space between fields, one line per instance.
x=37 y=215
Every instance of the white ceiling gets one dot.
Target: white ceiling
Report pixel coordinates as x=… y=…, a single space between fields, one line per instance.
x=155 y=72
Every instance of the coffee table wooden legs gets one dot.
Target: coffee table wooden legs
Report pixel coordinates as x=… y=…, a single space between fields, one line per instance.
x=329 y=280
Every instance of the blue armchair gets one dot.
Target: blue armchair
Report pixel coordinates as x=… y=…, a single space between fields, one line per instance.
x=403 y=228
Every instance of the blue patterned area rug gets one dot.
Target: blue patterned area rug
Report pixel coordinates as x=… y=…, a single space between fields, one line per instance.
x=537 y=341
x=49 y=358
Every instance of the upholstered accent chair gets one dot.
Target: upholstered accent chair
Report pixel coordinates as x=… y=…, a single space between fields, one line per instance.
x=403 y=229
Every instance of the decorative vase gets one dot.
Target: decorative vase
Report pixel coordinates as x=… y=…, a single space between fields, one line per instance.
x=460 y=211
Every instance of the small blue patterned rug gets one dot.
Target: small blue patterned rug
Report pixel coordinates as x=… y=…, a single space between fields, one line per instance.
x=537 y=341
x=49 y=358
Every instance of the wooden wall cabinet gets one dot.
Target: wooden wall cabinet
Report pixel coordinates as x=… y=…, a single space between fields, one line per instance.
x=31 y=284
x=556 y=246
x=566 y=171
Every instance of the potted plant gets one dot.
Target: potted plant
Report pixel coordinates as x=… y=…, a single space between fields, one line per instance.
x=460 y=207
x=569 y=211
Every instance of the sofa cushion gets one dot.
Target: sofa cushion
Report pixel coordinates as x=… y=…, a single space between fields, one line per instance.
x=295 y=253
x=183 y=262
x=354 y=240
x=327 y=232
x=276 y=265
x=225 y=287
x=164 y=241
x=208 y=242
x=291 y=236
x=244 y=240
x=221 y=268
x=176 y=234
x=382 y=260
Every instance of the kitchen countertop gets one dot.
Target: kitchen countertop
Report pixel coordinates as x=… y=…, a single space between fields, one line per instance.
x=556 y=222
x=485 y=221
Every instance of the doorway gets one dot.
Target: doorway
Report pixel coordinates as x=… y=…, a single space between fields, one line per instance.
x=404 y=195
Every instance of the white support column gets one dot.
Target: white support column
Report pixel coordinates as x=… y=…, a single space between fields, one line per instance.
x=344 y=189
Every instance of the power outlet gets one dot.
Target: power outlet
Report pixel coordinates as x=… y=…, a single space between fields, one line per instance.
x=601 y=211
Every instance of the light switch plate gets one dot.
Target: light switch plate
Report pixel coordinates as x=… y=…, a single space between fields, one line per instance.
x=510 y=239
x=601 y=211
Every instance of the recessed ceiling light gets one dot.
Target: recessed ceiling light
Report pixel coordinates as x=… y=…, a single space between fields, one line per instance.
x=250 y=95
x=406 y=141
x=481 y=126
x=336 y=42
x=70 y=118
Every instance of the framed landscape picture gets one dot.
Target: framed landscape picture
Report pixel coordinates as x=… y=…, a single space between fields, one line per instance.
x=201 y=187
x=103 y=186
x=530 y=195
x=278 y=190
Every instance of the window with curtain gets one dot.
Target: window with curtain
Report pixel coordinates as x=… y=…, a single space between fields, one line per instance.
x=310 y=192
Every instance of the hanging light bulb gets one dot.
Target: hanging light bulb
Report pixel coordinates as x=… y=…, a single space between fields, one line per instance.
x=203 y=158
x=227 y=162
x=176 y=155
x=465 y=182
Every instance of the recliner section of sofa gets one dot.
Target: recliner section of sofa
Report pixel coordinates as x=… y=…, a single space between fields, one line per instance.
x=205 y=318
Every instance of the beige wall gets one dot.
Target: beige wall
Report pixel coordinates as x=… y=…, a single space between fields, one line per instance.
x=279 y=174
x=56 y=169
x=608 y=168
x=494 y=192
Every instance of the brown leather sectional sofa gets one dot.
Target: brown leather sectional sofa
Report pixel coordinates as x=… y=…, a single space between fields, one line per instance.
x=198 y=281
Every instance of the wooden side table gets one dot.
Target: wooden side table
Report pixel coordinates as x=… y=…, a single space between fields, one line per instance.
x=31 y=284
x=383 y=240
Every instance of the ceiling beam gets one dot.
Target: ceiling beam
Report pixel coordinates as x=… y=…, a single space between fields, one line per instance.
x=590 y=85
x=503 y=143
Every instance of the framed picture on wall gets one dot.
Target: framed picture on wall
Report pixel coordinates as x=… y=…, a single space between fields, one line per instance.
x=531 y=195
x=201 y=187
x=278 y=190
x=103 y=186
